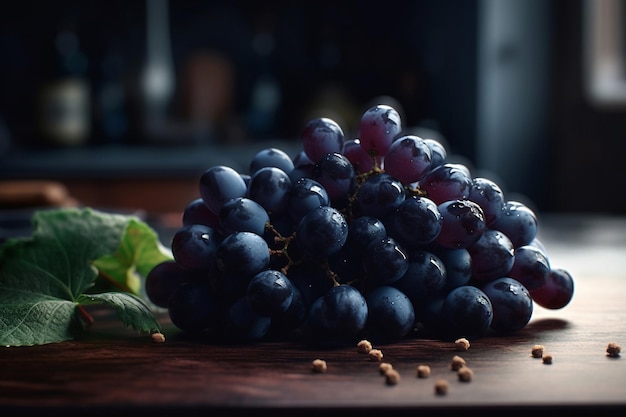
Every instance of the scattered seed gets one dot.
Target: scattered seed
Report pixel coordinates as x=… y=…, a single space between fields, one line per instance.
x=423 y=371
x=375 y=355
x=384 y=367
x=364 y=346
x=457 y=363
x=462 y=344
x=392 y=377
x=158 y=337
x=441 y=387
x=319 y=366
x=547 y=358
x=465 y=374
x=613 y=350
x=536 y=351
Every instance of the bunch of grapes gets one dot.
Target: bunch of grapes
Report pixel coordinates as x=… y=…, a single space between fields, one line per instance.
x=378 y=237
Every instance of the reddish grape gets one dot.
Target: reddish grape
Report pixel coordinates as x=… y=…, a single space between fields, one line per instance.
x=378 y=127
x=408 y=159
x=556 y=292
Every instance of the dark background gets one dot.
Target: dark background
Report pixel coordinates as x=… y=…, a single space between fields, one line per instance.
x=543 y=140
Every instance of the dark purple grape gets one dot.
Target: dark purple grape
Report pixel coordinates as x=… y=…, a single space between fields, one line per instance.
x=162 y=281
x=531 y=267
x=518 y=222
x=243 y=254
x=463 y=224
x=416 y=222
x=194 y=247
x=270 y=187
x=511 y=303
x=358 y=157
x=306 y=195
x=458 y=263
x=364 y=230
x=437 y=151
x=408 y=159
x=556 y=292
x=196 y=212
x=384 y=261
x=380 y=195
x=468 y=312
x=239 y=322
x=322 y=232
x=269 y=292
x=193 y=308
x=271 y=157
x=489 y=197
x=322 y=136
x=391 y=315
x=219 y=184
x=335 y=172
x=338 y=316
x=447 y=182
x=378 y=127
x=424 y=278
x=492 y=256
x=243 y=215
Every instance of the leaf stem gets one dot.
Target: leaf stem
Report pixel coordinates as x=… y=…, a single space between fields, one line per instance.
x=84 y=315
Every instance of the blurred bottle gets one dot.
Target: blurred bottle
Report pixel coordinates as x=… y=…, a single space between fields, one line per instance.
x=65 y=99
x=111 y=111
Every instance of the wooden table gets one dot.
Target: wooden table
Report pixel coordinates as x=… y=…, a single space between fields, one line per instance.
x=113 y=371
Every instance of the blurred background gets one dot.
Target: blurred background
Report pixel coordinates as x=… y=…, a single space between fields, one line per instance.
x=123 y=104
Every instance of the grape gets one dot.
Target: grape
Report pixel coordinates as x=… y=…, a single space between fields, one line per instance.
x=243 y=254
x=271 y=157
x=463 y=224
x=368 y=237
x=437 y=151
x=447 y=182
x=335 y=172
x=390 y=315
x=511 y=303
x=467 y=311
x=339 y=315
x=306 y=195
x=240 y=322
x=378 y=127
x=196 y=212
x=164 y=278
x=492 y=256
x=242 y=214
x=361 y=161
x=518 y=222
x=379 y=195
x=408 y=159
x=194 y=246
x=384 y=261
x=458 y=264
x=270 y=187
x=322 y=136
x=416 y=222
x=530 y=267
x=425 y=276
x=192 y=308
x=322 y=232
x=556 y=292
x=269 y=292
x=219 y=184
x=364 y=230
x=489 y=197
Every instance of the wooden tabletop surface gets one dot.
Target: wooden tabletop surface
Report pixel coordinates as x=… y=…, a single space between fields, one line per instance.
x=114 y=371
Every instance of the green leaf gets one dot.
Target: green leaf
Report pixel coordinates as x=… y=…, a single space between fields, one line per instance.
x=138 y=252
x=43 y=277
x=132 y=310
